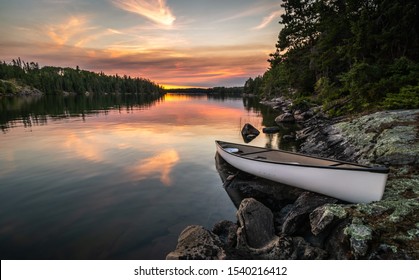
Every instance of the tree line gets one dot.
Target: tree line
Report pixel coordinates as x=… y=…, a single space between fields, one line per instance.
x=347 y=55
x=56 y=80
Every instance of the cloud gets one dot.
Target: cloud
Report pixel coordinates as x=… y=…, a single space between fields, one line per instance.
x=268 y=19
x=252 y=10
x=62 y=33
x=154 y=10
x=74 y=31
x=213 y=67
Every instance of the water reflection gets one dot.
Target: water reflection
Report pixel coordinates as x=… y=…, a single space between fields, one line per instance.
x=36 y=110
x=87 y=177
x=85 y=145
x=161 y=164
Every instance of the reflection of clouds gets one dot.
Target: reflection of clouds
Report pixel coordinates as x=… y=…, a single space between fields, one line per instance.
x=160 y=164
x=94 y=147
x=122 y=138
x=173 y=124
x=85 y=146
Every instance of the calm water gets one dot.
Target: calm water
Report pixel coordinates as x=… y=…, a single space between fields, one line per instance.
x=114 y=177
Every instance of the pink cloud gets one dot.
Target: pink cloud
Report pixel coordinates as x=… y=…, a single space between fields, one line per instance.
x=154 y=10
x=268 y=19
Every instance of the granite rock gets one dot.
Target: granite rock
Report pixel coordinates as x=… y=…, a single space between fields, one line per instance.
x=197 y=243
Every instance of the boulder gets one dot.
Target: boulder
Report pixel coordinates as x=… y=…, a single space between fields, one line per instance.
x=305 y=251
x=325 y=217
x=256 y=224
x=337 y=244
x=285 y=118
x=308 y=114
x=297 y=219
x=288 y=137
x=270 y=130
x=197 y=243
x=226 y=232
x=249 y=132
x=299 y=118
x=255 y=236
x=360 y=237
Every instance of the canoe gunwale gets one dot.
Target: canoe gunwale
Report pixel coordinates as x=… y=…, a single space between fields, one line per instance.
x=360 y=167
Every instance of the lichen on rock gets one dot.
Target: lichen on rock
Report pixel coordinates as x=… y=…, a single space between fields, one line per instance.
x=359 y=236
x=325 y=216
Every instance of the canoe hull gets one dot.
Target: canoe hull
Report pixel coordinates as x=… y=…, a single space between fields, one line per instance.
x=349 y=185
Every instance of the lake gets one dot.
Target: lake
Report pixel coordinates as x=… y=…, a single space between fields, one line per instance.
x=115 y=176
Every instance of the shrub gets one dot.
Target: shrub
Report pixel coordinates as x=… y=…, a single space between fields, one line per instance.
x=406 y=98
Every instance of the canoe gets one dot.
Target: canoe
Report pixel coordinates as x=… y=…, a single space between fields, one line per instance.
x=346 y=181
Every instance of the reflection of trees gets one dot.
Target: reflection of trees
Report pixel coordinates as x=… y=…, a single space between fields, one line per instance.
x=34 y=110
x=252 y=104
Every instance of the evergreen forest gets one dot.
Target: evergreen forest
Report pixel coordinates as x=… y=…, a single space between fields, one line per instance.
x=57 y=80
x=346 y=55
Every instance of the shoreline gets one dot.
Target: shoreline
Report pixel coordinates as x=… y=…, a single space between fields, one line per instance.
x=290 y=223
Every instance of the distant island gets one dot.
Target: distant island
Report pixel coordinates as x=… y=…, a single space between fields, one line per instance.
x=27 y=78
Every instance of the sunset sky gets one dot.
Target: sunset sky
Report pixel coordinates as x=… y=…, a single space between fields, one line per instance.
x=176 y=43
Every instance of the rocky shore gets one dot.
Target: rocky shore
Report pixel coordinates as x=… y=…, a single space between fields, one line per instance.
x=12 y=88
x=275 y=221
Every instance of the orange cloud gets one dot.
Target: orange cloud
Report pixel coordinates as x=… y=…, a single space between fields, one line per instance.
x=155 y=10
x=178 y=67
x=160 y=165
x=62 y=33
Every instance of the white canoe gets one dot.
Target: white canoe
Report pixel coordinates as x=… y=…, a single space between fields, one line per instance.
x=343 y=180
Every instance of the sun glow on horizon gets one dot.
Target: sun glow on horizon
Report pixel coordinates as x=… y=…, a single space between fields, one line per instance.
x=165 y=86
